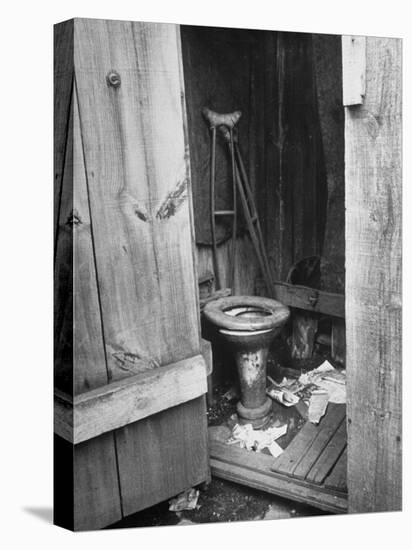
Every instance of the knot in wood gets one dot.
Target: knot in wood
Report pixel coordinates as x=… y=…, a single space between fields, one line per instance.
x=113 y=79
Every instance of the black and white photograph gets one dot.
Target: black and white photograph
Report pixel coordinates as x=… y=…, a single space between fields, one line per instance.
x=205 y=253
x=227 y=274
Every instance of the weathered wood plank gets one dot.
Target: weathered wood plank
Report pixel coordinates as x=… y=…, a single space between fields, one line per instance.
x=327 y=54
x=309 y=443
x=329 y=425
x=128 y=82
x=338 y=477
x=373 y=139
x=163 y=455
x=63 y=270
x=288 y=460
x=136 y=165
x=254 y=470
x=354 y=69
x=329 y=456
x=125 y=401
x=97 y=501
x=63 y=77
x=89 y=361
x=78 y=344
x=309 y=299
x=273 y=207
x=221 y=82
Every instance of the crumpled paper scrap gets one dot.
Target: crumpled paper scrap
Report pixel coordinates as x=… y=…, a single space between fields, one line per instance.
x=317 y=405
x=185 y=501
x=329 y=379
x=251 y=439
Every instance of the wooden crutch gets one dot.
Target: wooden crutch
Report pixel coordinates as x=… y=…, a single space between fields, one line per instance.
x=250 y=210
x=228 y=121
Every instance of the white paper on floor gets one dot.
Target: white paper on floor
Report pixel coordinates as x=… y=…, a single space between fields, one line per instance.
x=284 y=397
x=185 y=501
x=328 y=378
x=251 y=439
x=317 y=405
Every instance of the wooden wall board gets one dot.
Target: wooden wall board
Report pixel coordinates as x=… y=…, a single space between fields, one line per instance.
x=89 y=359
x=163 y=455
x=327 y=62
x=303 y=155
x=63 y=269
x=125 y=401
x=354 y=69
x=218 y=74
x=135 y=159
x=295 y=180
x=247 y=270
x=132 y=225
x=223 y=70
x=271 y=196
x=138 y=176
x=97 y=497
x=63 y=78
x=310 y=299
x=373 y=139
x=80 y=365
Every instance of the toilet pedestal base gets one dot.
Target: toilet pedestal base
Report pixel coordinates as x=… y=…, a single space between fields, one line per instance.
x=258 y=416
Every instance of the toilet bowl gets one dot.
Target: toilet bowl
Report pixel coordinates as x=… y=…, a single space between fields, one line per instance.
x=249 y=324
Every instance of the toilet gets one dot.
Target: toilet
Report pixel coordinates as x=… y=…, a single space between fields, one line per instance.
x=249 y=324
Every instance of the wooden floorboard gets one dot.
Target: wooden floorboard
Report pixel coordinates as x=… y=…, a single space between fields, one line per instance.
x=327 y=429
x=289 y=459
x=329 y=456
x=337 y=477
x=254 y=470
x=303 y=451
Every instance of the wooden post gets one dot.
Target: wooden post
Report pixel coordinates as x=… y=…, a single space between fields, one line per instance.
x=373 y=280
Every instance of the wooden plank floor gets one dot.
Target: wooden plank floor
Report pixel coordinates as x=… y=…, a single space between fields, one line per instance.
x=312 y=468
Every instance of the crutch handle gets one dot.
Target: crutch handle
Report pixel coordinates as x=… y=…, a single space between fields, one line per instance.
x=226 y=134
x=216 y=119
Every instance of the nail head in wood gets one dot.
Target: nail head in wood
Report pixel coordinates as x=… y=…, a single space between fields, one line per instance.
x=113 y=79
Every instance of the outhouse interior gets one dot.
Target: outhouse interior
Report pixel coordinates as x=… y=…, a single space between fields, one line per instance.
x=202 y=309
x=288 y=88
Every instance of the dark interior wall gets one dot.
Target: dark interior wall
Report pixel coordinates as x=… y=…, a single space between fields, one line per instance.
x=288 y=86
x=220 y=67
x=327 y=57
x=223 y=70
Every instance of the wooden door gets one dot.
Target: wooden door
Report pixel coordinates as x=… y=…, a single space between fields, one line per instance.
x=129 y=373
x=372 y=95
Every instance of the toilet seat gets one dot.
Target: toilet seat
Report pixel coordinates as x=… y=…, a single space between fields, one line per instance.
x=273 y=313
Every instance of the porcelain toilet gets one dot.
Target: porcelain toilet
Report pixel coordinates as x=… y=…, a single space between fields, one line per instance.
x=249 y=324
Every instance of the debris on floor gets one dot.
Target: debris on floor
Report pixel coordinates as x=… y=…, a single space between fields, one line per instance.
x=257 y=440
x=232 y=393
x=281 y=392
x=185 y=501
x=279 y=512
x=312 y=391
x=318 y=403
x=329 y=387
x=221 y=501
